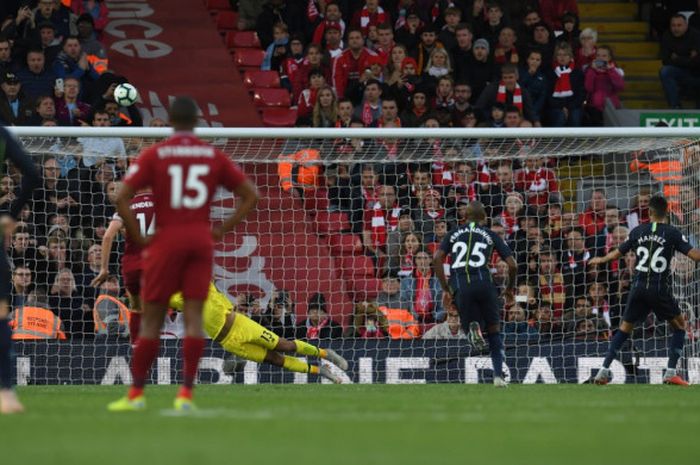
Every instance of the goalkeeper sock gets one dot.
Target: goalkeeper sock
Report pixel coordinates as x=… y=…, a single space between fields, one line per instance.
x=496 y=347
x=134 y=328
x=145 y=353
x=5 y=354
x=299 y=366
x=304 y=348
x=615 y=345
x=676 y=346
x=192 y=349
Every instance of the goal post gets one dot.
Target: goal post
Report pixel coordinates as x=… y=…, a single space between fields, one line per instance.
x=335 y=251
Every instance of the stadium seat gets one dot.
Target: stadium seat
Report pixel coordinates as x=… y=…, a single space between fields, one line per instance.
x=248 y=57
x=344 y=244
x=316 y=200
x=226 y=21
x=356 y=266
x=271 y=97
x=241 y=39
x=331 y=222
x=218 y=5
x=279 y=117
x=364 y=289
x=262 y=79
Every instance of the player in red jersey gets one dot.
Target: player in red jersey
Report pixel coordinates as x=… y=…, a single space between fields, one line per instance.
x=131 y=266
x=183 y=174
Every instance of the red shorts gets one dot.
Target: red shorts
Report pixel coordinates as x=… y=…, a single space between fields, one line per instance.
x=132 y=268
x=178 y=259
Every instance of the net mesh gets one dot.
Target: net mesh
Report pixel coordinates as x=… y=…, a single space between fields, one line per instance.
x=342 y=225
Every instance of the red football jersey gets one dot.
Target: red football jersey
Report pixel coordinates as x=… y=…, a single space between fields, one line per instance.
x=142 y=208
x=183 y=174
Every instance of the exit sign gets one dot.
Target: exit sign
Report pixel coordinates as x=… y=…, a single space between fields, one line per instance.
x=673 y=120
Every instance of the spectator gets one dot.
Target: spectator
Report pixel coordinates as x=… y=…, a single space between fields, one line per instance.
x=512 y=118
x=448 y=34
x=421 y=293
x=639 y=213
x=278 y=11
x=50 y=44
x=96 y=150
x=368 y=322
x=539 y=184
x=118 y=118
x=282 y=315
x=462 y=105
x=93 y=49
x=402 y=263
x=551 y=282
x=603 y=240
x=73 y=62
x=299 y=74
x=449 y=329
x=394 y=71
x=7 y=194
x=586 y=53
x=15 y=107
x=69 y=110
x=444 y=97
x=491 y=28
x=567 y=90
x=589 y=330
x=390 y=295
x=574 y=262
x=371 y=14
x=348 y=67
x=395 y=241
x=58 y=195
x=66 y=302
x=370 y=110
x=390 y=114
x=603 y=81
x=462 y=54
x=97 y=10
x=543 y=40
x=477 y=14
x=527 y=27
x=21 y=286
x=319 y=325
x=59 y=16
x=248 y=13
x=680 y=55
x=37 y=80
x=507 y=91
x=570 y=30
x=535 y=82
x=593 y=219
x=91 y=268
x=438 y=66
x=482 y=71
x=325 y=112
x=431 y=210
x=428 y=43
x=597 y=294
x=385 y=43
x=331 y=16
x=6 y=64
x=345 y=111
x=516 y=322
x=23 y=250
x=277 y=50
x=506 y=51
x=380 y=217
x=553 y=10
x=417 y=110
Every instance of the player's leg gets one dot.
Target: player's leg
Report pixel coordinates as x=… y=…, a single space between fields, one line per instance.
x=300 y=366
x=8 y=399
x=304 y=348
x=132 y=283
x=491 y=314
x=669 y=310
x=192 y=347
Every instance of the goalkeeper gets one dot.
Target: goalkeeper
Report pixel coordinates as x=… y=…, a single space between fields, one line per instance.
x=241 y=336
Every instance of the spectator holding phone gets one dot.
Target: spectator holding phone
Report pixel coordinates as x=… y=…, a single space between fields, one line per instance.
x=603 y=80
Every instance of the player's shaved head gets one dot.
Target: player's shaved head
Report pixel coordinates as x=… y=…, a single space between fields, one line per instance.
x=658 y=206
x=476 y=211
x=183 y=114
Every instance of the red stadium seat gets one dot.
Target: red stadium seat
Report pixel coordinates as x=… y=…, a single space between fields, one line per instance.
x=364 y=289
x=331 y=222
x=276 y=117
x=316 y=200
x=271 y=97
x=345 y=244
x=263 y=79
x=226 y=21
x=242 y=39
x=356 y=266
x=248 y=57
x=218 y=5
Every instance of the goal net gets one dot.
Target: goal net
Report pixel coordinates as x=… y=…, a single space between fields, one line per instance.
x=338 y=250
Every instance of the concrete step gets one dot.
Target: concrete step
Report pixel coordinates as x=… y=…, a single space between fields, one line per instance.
x=640 y=67
x=646 y=87
x=618 y=27
x=645 y=104
x=636 y=50
x=607 y=37
x=618 y=11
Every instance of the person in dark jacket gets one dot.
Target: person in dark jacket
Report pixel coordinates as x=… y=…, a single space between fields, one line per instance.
x=680 y=55
x=15 y=107
x=508 y=92
x=535 y=81
x=37 y=79
x=567 y=90
x=319 y=325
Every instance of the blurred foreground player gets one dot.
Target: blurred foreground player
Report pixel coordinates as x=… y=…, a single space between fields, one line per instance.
x=655 y=243
x=11 y=150
x=470 y=247
x=241 y=336
x=183 y=174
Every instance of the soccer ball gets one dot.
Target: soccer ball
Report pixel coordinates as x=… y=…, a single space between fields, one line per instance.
x=125 y=94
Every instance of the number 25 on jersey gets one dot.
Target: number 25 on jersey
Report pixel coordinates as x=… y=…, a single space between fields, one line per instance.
x=191 y=181
x=476 y=258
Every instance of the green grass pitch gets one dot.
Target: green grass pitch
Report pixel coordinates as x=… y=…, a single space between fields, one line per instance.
x=360 y=424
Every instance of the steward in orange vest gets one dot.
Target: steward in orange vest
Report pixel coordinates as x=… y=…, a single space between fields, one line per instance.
x=36 y=323
x=668 y=172
x=402 y=324
x=110 y=314
x=301 y=169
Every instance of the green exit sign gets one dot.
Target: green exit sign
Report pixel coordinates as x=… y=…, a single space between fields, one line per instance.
x=673 y=120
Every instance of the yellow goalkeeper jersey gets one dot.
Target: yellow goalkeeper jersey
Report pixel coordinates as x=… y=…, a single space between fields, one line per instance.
x=216 y=307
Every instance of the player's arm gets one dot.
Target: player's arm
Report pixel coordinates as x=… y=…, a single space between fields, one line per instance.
x=112 y=230
x=23 y=162
x=124 y=196
x=507 y=254
x=439 y=271
x=248 y=195
x=614 y=254
x=694 y=254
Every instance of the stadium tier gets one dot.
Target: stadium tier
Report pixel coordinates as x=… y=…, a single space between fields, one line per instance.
x=338 y=250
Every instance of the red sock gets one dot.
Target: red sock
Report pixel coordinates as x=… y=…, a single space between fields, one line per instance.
x=192 y=349
x=145 y=353
x=134 y=327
